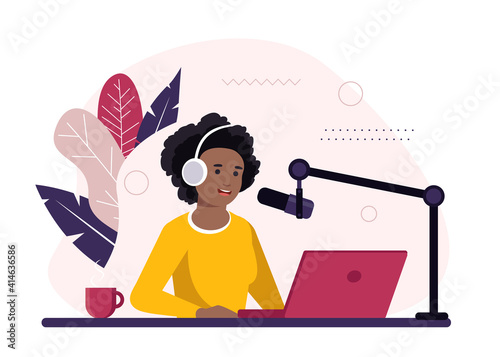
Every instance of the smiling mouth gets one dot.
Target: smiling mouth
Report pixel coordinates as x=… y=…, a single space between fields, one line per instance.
x=223 y=192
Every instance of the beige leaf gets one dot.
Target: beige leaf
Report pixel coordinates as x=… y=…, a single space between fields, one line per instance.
x=84 y=140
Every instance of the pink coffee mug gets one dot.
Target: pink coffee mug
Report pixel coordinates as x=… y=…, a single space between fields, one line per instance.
x=101 y=302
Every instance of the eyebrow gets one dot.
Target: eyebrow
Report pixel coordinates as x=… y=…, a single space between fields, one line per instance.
x=236 y=167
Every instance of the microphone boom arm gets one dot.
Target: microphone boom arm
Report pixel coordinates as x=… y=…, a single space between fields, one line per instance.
x=433 y=196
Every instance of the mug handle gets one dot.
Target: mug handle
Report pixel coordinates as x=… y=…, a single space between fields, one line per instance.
x=122 y=299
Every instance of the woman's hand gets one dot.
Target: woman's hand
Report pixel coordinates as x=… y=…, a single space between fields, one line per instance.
x=216 y=312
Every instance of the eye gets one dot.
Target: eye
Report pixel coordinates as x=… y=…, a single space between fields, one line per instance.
x=235 y=173
x=217 y=171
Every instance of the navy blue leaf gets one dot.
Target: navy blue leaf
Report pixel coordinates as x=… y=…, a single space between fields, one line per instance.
x=96 y=239
x=164 y=110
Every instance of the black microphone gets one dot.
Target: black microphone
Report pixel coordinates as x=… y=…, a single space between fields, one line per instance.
x=284 y=202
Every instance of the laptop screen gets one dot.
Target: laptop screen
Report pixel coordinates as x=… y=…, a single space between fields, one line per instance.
x=345 y=284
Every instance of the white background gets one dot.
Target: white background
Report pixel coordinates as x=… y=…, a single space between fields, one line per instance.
x=427 y=58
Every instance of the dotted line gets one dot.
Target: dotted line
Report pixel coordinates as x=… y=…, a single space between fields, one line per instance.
x=363 y=139
x=373 y=130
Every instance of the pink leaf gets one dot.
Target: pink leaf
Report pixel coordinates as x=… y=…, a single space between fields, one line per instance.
x=84 y=140
x=120 y=111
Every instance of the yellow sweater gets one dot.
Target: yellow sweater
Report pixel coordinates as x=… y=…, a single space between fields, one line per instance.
x=208 y=268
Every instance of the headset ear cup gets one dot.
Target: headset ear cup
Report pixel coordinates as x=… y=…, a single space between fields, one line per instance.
x=194 y=172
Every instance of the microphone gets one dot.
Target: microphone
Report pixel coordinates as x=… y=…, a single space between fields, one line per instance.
x=284 y=202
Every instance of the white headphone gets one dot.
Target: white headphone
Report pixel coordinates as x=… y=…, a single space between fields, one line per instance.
x=194 y=171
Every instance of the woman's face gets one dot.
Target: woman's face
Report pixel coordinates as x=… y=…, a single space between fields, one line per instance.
x=223 y=182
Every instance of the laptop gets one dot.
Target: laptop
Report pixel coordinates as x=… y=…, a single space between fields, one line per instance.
x=340 y=284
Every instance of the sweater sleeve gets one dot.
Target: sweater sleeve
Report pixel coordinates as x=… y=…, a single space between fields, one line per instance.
x=148 y=294
x=264 y=289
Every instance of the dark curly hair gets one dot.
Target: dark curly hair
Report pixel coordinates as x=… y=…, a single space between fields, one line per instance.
x=181 y=146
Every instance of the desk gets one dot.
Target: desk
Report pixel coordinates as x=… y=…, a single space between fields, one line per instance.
x=239 y=322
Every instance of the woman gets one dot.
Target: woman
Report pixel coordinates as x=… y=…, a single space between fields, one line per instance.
x=213 y=256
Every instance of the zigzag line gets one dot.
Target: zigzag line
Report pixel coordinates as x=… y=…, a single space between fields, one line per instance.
x=261 y=83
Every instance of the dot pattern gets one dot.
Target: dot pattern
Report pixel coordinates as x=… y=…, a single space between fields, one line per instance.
x=368 y=134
